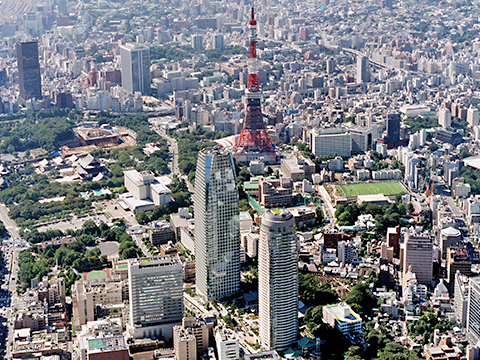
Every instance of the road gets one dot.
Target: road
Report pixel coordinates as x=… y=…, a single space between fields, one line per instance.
x=172 y=144
x=138 y=240
x=12 y=283
x=8 y=223
x=457 y=213
x=327 y=205
x=13 y=270
x=442 y=189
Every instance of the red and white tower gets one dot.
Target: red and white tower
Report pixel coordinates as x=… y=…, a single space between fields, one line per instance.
x=254 y=137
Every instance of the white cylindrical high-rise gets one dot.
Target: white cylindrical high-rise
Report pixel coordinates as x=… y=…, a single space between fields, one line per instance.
x=278 y=280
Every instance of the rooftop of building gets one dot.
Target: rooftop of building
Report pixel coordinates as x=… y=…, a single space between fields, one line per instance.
x=277 y=218
x=156 y=261
x=342 y=312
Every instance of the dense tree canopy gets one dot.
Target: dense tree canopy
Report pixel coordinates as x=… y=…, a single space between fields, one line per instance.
x=36 y=262
x=385 y=216
x=361 y=299
x=312 y=292
x=425 y=326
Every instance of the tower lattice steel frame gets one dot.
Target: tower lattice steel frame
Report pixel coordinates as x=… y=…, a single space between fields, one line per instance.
x=254 y=134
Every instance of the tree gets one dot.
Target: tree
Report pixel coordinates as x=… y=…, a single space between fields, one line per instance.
x=312 y=292
x=142 y=217
x=410 y=208
x=361 y=299
x=319 y=215
x=433 y=147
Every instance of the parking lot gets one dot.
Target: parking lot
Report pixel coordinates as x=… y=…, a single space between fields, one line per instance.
x=74 y=224
x=114 y=211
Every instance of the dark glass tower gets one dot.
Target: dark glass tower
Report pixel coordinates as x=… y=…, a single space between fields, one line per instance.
x=29 y=70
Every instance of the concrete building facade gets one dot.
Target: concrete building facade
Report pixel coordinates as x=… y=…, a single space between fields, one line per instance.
x=278 y=280
x=135 y=62
x=156 y=295
x=418 y=256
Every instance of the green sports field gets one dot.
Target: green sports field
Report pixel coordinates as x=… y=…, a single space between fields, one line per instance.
x=370 y=188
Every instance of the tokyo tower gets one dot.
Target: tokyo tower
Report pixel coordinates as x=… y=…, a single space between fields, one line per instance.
x=254 y=137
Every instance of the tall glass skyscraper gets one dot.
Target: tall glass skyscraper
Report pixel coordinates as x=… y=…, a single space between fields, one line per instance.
x=29 y=77
x=217 y=231
x=278 y=280
x=135 y=60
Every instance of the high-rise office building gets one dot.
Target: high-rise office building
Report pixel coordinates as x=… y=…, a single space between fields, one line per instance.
x=444 y=118
x=393 y=129
x=218 y=41
x=29 y=77
x=458 y=260
x=62 y=7
x=278 y=280
x=460 y=299
x=418 y=256
x=473 y=311
x=363 y=72
x=197 y=42
x=156 y=296
x=473 y=116
x=330 y=66
x=217 y=231
x=135 y=60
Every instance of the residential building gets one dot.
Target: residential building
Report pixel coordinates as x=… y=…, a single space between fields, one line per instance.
x=184 y=343
x=473 y=117
x=337 y=164
x=347 y=252
x=197 y=42
x=460 y=299
x=458 y=260
x=343 y=318
x=135 y=68
x=418 y=256
x=29 y=78
x=363 y=71
x=278 y=280
x=87 y=295
x=473 y=311
x=411 y=289
x=201 y=330
x=155 y=296
x=444 y=118
x=227 y=344
x=217 y=228
x=275 y=192
x=449 y=236
x=161 y=232
x=218 y=42
x=444 y=350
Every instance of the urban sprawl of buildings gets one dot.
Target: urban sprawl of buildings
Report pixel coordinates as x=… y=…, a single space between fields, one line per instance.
x=340 y=197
